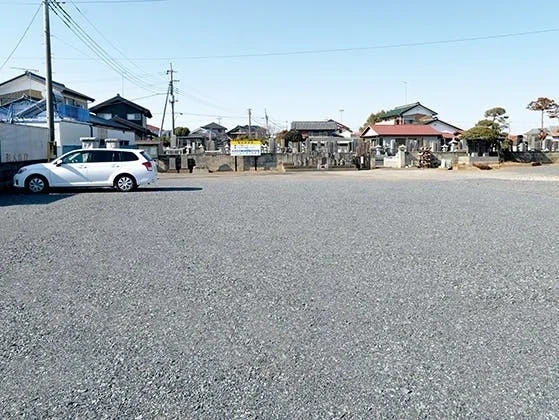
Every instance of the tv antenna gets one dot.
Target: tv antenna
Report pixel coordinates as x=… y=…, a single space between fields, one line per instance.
x=25 y=69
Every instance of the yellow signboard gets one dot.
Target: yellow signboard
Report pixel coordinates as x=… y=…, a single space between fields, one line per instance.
x=246 y=147
x=246 y=141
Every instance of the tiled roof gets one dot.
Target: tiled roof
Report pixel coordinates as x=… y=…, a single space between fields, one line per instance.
x=413 y=130
x=214 y=126
x=314 y=125
x=117 y=100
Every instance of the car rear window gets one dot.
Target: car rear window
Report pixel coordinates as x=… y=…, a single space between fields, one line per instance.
x=128 y=156
x=146 y=156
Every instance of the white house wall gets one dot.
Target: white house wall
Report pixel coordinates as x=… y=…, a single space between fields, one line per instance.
x=26 y=84
x=21 y=85
x=20 y=143
x=67 y=134
x=419 y=110
x=442 y=127
x=105 y=133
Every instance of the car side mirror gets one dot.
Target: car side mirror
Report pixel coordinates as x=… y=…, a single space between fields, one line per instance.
x=58 y=162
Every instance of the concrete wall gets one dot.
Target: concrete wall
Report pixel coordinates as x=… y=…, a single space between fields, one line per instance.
x=20 y=143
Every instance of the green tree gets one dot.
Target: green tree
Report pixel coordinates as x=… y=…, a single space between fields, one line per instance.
x=292 y=136
x=373 y=119
x=182 y=131
x=542 y=104
x=497 y=115
x=491 y=128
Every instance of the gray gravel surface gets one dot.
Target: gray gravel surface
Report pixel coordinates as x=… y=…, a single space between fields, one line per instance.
x=380 y=294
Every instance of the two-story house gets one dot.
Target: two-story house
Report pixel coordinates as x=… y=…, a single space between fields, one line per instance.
x=33 y=86
x=23 y=102
x=126 y=113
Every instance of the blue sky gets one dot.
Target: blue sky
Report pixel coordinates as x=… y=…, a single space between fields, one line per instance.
x=299 y=60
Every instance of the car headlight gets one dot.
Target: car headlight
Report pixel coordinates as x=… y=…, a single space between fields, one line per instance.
x=22 y=170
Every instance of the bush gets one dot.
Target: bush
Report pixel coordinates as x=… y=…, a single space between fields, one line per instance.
x=482 y=166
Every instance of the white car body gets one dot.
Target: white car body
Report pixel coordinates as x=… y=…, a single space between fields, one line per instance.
x=123 y=169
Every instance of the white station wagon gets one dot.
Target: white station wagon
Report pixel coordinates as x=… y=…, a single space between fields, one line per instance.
x=123 y=169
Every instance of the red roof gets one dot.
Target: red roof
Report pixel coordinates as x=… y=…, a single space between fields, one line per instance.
x=408 y=130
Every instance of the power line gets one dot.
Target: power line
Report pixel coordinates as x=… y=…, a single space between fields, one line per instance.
x=21 y=39
x=375 y=47
x=349 y=49
x=102 y=35
x=77 y=30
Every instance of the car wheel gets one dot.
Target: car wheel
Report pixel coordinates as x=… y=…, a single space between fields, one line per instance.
x=125 y=183
x=36 y=184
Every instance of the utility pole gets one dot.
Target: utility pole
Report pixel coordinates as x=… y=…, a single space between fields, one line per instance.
x=164 y=111
x=249 y=123
x=172 y=101
x=48 y=82
x=267 y=122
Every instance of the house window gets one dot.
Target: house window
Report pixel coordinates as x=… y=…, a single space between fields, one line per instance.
x=134 y=117
x=105 y=116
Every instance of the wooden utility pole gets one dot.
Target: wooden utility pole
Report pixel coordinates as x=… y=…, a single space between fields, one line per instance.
x=48 y=82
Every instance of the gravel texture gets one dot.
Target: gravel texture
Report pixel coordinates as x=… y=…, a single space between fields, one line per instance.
x=378 y=294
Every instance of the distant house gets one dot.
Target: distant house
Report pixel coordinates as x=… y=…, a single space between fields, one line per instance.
x=215 y=128
x=343 y=130
x=126 y=113
x=413 y=136
x=407 y=114
x=33 y=86
x=210 y=137
x=326 y=135
x=316 y=128
x=244 y=131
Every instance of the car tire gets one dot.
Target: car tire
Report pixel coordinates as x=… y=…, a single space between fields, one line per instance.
x=125 y=183
x=36 y=184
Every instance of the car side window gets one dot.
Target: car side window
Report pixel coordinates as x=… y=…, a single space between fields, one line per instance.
x=100 y=156
x=77 y=157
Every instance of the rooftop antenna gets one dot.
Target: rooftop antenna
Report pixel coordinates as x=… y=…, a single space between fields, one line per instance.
x=25 y=69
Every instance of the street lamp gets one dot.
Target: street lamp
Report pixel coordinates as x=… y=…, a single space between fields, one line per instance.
x=405 y=91
x=341 y=115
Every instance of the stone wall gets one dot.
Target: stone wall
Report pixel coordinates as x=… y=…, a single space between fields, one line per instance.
x=323 y=161
x=266 y=162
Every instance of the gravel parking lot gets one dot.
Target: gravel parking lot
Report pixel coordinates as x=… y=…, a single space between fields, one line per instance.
x=363 y=294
